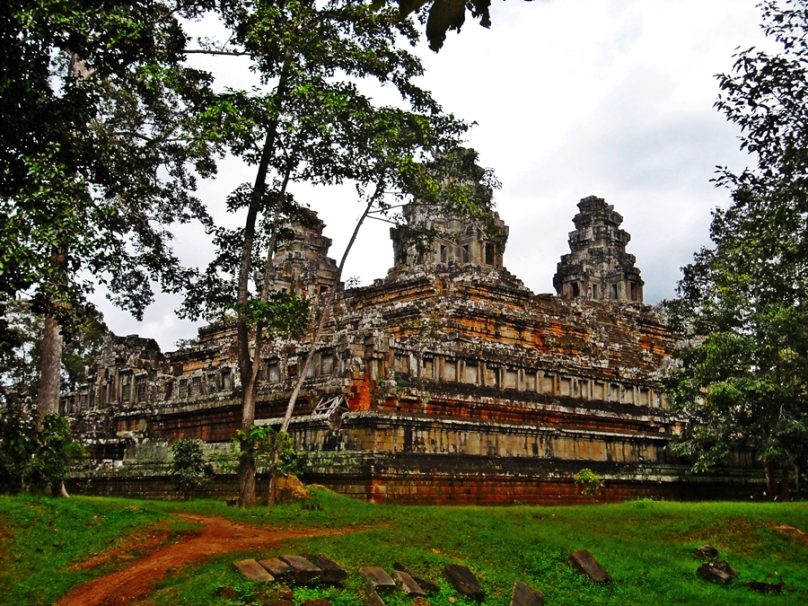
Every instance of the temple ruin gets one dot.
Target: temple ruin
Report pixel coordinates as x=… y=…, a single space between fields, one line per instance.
x=447 y=381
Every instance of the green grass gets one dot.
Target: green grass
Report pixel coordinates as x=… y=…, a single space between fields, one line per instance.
x=645 y=545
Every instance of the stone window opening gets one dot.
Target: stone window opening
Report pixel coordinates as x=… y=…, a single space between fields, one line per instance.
x=614 y=291
x=489 y=253
x=444 y=253
x=594 y=291
x=466 y=254
x=633 y=292
x=576 y=291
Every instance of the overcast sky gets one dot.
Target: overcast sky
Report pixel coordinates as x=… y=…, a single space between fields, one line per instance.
x=572 y=98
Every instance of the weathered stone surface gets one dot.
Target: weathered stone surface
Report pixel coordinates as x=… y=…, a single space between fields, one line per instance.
x=523 y=595
x=763 y=587
x=598 y=266
x=302 y=570
x=378 y=578
x=518 y=366
x=584 y=562
x=407 y=584
x=253 y=571
x=706 y=552
x=277 y=567
x=464 y=581
x=717 y=572
x=372 y=598
x=429 y=587
x=331 y=573
x=289 y=489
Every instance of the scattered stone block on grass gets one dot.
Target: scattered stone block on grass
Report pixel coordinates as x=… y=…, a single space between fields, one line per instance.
x=464 y=581
x=302 y=571
x=717 y=572
x=378 y=578
x=277 y=568
x=584 y=562
x=706 y=552
x=763 y=587
x=425 y=584
x=372 y=598
x=407 y=584
x=332 y=573
x=523 y=595
x=428 y=586
x=253 y=571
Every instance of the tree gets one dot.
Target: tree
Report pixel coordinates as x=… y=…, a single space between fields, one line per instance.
x=743 y=376
x=99 y=156
x=189 y=467
x=312 y=125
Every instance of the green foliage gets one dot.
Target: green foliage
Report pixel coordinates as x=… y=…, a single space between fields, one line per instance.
x=742 y=381
x=588 y=481
x=100 y=153
x=284 y=314
x=31 y=459
x=272 y=450
x=189 y=467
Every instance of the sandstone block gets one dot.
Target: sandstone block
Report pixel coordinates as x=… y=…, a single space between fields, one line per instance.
x=377 y=577
x=253 y=571
x=407 y=584
x=331 y=573
x=464 y=581
x=523 y=595
x=717 y=572
x=277 y=567
x=584 y=562
x=302 y=571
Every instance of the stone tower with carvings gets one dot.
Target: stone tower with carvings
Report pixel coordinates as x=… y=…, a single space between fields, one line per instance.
x=598 y=266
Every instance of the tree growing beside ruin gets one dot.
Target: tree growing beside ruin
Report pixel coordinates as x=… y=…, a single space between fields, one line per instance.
x=100 y=156
x=743 y=376
x=313 y=125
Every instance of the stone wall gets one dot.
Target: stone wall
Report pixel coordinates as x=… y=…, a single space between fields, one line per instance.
x=446 y=382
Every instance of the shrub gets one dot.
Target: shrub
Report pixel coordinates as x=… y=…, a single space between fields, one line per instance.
x=189 y=468
x=588 y=481
x=31 y=459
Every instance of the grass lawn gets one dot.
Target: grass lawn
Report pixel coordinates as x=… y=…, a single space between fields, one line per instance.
x=645 y=545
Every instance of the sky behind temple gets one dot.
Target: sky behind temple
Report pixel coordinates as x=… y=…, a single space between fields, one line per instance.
x=572 y=98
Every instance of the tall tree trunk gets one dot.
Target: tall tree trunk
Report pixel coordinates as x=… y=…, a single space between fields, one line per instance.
x=315 y=339
x=785 y=489
x=797 y=491
x=47 y=395
x=245 y=362
x=771 y=481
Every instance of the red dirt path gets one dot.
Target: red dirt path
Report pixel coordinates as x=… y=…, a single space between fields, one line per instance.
x=217 y=535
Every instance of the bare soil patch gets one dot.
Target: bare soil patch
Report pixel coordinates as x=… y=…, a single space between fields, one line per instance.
x=217 y=535
x=795 y=534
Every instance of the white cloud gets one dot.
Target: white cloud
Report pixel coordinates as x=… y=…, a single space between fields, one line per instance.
x=572 y=98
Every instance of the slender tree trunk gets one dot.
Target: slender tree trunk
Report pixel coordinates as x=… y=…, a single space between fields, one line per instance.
x=315 y=339
x=245 y=362
x=47 y=396
x=771 y=482
x=797 y=491
x=785 y=489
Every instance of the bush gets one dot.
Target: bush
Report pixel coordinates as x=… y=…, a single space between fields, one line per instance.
x=190 y=470
x=31 y=459
x=588 y=481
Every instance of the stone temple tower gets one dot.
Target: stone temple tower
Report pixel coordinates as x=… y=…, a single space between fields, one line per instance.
x=598 y=266
x=454 y=242
x=302 y=264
